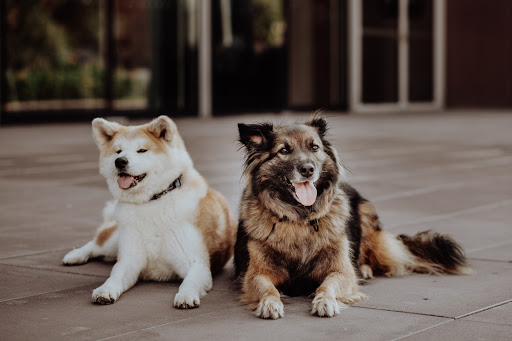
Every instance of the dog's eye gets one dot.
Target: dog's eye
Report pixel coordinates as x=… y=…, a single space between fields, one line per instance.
x=142 y=150
x=314 y=148
x=284 y=151
x=119 y=151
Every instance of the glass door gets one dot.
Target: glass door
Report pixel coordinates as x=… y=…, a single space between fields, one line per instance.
x=396 y=55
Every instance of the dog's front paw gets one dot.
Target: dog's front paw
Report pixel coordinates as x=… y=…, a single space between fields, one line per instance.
x=325 y=306
x=186 y=300
x=270 y=307
x=75 y=257
x=106 y=294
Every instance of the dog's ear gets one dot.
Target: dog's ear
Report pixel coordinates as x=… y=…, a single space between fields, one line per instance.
x=104 y=131
x=318 y=122
x=162 y=127
x=255 y=136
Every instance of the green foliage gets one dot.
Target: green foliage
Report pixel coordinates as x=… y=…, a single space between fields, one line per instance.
x=35 y=40
x=67 y=82
x=53 y=53
x=70 y=82
x=268 y=21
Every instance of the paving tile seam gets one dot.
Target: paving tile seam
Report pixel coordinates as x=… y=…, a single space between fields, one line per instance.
x=52 y=270
x=404 y=312
x=453 y=214
x=422 y=330
x=459 y=318
x=491 y=323
x=490 y=260
x=366 y=159
x=35 y=254
x=163 y=324
x=399 y=149
x=486 y=247
x=483 y=309
x=44 y=293
x=91 y=275
x=460 y=166
x=420 y=191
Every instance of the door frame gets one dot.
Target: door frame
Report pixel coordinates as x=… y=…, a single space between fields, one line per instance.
x=355 y=35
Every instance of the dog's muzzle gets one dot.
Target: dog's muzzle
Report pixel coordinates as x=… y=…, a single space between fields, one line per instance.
x=121 y=163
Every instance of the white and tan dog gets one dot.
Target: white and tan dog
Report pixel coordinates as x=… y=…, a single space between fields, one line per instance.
x=165 y=222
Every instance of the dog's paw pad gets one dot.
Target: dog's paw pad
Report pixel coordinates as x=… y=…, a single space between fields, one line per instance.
x=104 y=300
x=75 y=257
x=326 y=307
x=270 y=308
x=186 y=300
x=104 y=295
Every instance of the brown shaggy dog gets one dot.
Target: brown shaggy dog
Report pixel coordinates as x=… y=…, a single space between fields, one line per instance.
x=302 y=229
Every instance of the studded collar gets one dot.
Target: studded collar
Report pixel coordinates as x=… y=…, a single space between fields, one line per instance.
x=175 y=184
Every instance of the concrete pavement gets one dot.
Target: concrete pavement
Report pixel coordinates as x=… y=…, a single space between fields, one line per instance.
x=450 y=172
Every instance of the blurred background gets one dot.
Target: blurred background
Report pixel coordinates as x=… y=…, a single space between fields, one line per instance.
x=75 y=59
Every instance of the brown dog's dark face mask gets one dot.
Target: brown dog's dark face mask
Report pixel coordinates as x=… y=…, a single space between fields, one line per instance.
x=293 y=164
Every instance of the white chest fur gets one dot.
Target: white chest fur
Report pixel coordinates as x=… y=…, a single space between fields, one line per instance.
x=161 y=234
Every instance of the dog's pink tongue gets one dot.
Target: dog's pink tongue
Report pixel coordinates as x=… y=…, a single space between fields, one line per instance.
x=125 y=181
x=306 y=193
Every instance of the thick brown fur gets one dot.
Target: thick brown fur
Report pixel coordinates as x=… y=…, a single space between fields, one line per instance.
x=285 y=246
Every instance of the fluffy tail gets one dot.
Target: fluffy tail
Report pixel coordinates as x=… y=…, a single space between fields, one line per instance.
x=382 y=253
x=426 y=252
x=436 y=253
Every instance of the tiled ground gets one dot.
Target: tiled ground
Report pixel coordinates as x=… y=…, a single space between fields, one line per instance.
x=450 y=172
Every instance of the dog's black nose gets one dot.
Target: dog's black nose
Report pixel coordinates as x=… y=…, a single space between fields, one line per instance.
x=307 y=169
x=121 y=162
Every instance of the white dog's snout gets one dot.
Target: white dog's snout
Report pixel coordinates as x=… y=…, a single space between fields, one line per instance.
x=121 y=163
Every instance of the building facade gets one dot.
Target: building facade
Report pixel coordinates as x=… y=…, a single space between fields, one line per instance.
x=76 y=59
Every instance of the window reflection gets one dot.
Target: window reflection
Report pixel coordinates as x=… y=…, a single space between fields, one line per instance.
x=53 y=55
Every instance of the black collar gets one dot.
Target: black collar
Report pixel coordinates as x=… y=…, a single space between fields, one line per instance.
x=175 y=184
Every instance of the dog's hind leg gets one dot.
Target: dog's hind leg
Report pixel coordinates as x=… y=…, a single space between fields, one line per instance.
x=380 y=252
x=104 y=244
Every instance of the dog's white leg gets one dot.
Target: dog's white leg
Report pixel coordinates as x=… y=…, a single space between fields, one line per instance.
x=80 y=255
x=197 y=282
x=124 y=275
x=104 y=245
